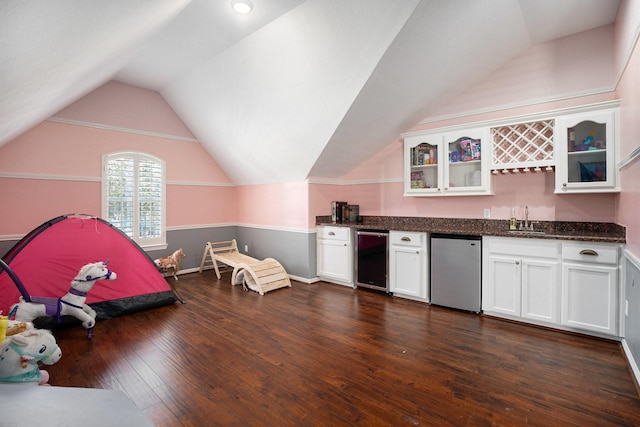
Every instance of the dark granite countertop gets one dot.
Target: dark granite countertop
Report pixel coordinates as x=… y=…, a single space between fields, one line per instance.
x=561 y=230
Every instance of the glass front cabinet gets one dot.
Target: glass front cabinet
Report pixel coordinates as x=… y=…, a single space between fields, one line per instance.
x=586 y=152
x=447 y=164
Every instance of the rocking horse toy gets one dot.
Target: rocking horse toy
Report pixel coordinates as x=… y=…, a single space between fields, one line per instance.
x=73 y=303
x=171 y=264
x=20 y=354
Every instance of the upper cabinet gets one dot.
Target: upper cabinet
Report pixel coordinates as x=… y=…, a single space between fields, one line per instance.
x=580 y=144
x=447 y=164
x=586 y=152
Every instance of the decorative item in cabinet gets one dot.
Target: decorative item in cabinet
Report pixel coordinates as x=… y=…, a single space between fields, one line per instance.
x=465 y=167
x=424 y=166
x=523 y=146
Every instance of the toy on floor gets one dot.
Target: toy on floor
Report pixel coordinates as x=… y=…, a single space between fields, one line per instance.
x=73 y=303
x=171 y=264
x=21 y=352
x=258 y=275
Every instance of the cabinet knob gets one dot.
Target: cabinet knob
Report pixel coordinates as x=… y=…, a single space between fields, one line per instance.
x=418 y=252
x=331 y=233
x=588 y=252
x=517 y=262
x=564 y=184
x=405 y=239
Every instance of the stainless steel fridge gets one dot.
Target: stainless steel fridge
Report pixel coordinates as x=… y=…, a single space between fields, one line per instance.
x=456 y=271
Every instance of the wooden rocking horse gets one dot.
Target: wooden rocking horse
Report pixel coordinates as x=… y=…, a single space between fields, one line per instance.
x=171 y=264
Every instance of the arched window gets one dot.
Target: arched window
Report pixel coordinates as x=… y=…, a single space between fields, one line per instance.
x=133 y=196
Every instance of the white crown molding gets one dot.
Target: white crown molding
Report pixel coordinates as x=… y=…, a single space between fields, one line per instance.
x=44 y=177
x=521 y=118
x=268 y=227
x=119 y=129
x=504 y=107
x=10 y=237
x=200 y=184
x=49 y=177
x=328 y=181
x=200 y=226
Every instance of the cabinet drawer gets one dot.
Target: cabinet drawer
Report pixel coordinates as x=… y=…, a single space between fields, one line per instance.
x=334 y=233
x=407 y=238
x=590 y=252
x=523 y=247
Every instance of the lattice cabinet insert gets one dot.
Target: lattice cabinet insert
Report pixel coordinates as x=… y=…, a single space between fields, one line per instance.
x=523 y=146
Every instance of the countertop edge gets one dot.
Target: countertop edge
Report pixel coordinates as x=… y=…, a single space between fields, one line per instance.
x=552 y=230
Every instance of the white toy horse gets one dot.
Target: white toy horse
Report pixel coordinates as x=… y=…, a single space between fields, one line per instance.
x=20 y=354
x=73 y=303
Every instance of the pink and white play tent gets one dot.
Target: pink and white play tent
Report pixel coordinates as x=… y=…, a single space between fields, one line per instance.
x=50 y=256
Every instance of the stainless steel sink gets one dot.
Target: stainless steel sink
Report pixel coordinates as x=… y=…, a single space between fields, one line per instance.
x=527 y=231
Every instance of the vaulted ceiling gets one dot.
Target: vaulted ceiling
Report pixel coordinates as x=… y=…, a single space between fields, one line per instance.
x=296 y=88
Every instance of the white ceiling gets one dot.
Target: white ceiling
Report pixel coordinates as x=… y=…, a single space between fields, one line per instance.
x=294 y=89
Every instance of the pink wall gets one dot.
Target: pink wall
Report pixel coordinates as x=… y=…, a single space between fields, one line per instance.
x=27 y=203
x=629 y=92
x=55 y=168
x=200 y=205
x=126 y=106
x=582 y=63
x=283 y=205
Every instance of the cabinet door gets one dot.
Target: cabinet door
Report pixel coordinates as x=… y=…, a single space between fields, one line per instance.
x=334 y=260
x=586 y=153
x=466 y=170
x=540 y=290
x=503 y=287
x=408 y=271
x=589 y=297
x=423 y=173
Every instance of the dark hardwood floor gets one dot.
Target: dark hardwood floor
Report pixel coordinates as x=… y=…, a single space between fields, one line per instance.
x=328 y=355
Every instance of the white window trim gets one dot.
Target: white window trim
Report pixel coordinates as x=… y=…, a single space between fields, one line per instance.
x=159 y=243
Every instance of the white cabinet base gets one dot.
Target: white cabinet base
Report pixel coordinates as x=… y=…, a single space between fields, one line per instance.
x=568 y=285
x=408 y=265
x=590 y=297
x=335 y=255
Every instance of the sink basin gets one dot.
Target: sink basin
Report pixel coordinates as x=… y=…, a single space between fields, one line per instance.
x=527 y=231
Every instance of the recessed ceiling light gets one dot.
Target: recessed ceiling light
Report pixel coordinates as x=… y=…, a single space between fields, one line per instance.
x=242 y=6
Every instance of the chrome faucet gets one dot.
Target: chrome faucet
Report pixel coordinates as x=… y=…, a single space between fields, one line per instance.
x=525 y=225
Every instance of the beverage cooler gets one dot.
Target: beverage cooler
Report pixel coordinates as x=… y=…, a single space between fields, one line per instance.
x=372 y=259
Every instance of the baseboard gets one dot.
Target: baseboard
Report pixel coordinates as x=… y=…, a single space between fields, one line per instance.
x=632 y=363
x=304 y=279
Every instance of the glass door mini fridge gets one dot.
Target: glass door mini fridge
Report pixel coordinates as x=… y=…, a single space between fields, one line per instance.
x=372 y=259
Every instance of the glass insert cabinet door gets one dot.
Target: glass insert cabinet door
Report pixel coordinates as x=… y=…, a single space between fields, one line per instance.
x=424 y=166
x=586 y=160
x=464 y=161
x=441 y=164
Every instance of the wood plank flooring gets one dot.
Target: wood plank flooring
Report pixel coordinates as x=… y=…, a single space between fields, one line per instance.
x=328 y=355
